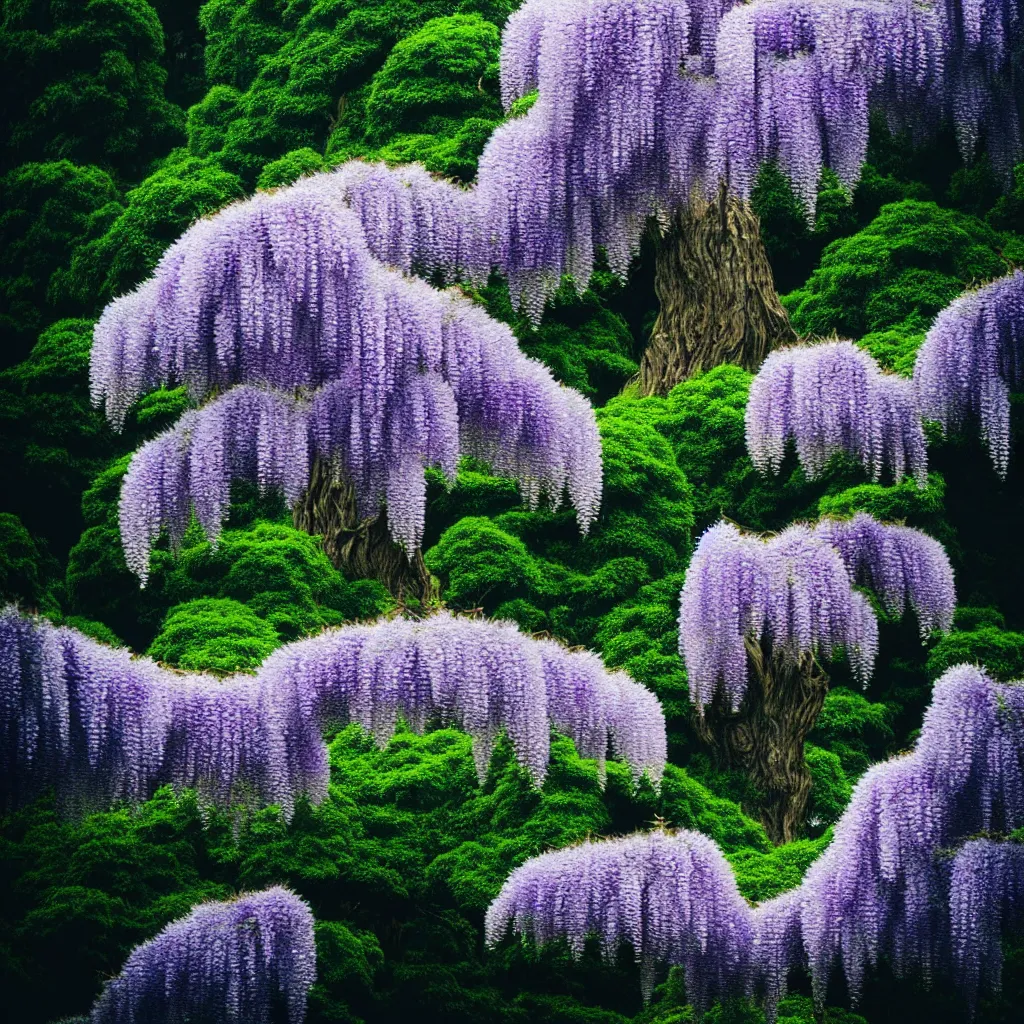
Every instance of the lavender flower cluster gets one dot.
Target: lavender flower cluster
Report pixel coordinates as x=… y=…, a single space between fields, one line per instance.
x=642 y=103
x=829 y=399
x=796 y=591
x=671 y=896
x=279 y=294
x=231 y=961
x=883 y=888
x=100 y=726
x=970 y=361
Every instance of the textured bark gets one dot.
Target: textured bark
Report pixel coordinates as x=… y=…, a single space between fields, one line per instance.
x=362 y=549
x=717 y=296
x=765 y=738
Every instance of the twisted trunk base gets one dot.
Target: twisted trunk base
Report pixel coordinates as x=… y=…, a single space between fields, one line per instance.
x=765 y=738
x=717 y=295
x=362 y=549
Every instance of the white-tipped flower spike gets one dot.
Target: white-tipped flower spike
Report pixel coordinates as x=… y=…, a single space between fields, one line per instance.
x=832 y=399
x=100 y=726
x=970 y=361
x=230 y=961
x=671 y=896
x=641 y=104
x=280 y=294
x=903 y=566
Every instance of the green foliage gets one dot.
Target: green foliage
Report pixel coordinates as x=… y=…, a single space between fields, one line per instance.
x=853 y=728
x=181 y=191
x=764 y=873
x=52 y=441
x=22 y=568
x=49 y=210
x=281 y=573
x=642 y=532
x=830 y=788
x=82 y=81
x=215 y=634
x=586 y=344
x=300 y=76
x=292 y=166
x=894 y=276
x=436 y=76
x=1000 y=651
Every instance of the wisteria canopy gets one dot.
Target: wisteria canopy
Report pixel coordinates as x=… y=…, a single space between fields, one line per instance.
x=883 y=887
x=796 y=591
x=230 y=961
x=278 y=296
x=101 y=726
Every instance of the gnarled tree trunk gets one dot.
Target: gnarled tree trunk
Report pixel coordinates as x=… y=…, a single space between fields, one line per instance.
x=765 y=738
x=717 y=296
x=363 y=549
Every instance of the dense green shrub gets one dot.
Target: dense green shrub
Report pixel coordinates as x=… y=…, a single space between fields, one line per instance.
x=215 y=634
x=156 y=213
x=49 y=210
x=82 y=81
x=885 y=284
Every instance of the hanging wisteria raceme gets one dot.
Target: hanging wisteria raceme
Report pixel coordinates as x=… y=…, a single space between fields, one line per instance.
x=795 y=591
x=831 y=399
x=616 y=134
x=900 y=564
x=235 y=961
x=791 y=589
x=796 y=80
x=986 y=902
x=672 y=896
x=883 y=886
x=100 y=726
x=985 y=91
x=970 y=361
x=280 y=293
x=415 y=221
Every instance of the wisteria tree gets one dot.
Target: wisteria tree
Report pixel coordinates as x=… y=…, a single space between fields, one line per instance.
x=970 y=361
x=831 y=399
x=759 y=614
x=100 y=727
x=250 y=960
x=662 y=112
x=886 y=887
x=337 y=383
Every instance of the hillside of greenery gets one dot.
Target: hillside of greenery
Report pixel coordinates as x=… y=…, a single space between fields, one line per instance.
x=127 y=120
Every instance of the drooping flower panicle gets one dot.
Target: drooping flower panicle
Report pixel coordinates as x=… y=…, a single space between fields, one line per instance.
x=100 y=726
x=831 y=399
x=232 y=961
x=280 y=294
x=884 y=887
x=970 y=361
x=671 y=896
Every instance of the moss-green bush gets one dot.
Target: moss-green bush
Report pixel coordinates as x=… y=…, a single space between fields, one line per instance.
x=894 y=276
x=215 y=634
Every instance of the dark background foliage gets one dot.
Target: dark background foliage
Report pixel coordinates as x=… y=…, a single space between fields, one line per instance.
x=123 y=122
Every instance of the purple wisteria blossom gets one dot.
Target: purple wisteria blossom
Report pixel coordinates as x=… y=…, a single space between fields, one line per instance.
x=233 y=961
x=670 y=895
x=831 y=399
x=100 y=726
x=986 y=901
x=885 y=887
x=795 y=591
x=278 y=295
x=970 y=361
x=900 y=564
